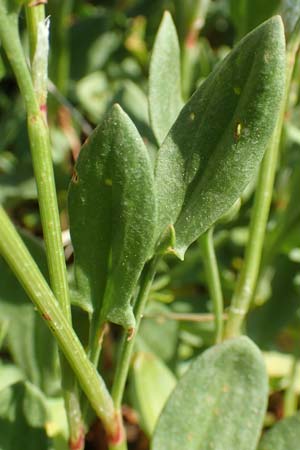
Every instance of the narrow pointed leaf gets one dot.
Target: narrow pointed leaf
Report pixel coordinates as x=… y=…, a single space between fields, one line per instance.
x=219 y=403
x=112 y=216
x=217 y=142
x=284 y=435
x=165 y=99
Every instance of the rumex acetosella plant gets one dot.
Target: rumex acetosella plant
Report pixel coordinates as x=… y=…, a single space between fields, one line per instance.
x=170 y=302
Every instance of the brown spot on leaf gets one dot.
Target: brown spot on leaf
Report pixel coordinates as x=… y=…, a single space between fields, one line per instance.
x=130 y=333
x=75 y=177
x=46 y=316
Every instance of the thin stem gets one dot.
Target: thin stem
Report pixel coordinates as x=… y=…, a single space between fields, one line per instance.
x=127 y=346
x=247 y=281
x=213 y=280
x=249 y=274
x=121 y=446
x=39 y=60
x=184 y=317
x=34 y=15
x=290 y=397
x=41 y=156
x=20 y=261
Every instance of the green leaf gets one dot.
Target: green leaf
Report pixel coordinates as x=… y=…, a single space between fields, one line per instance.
x=155 y=337
x=247 y=14
x=219 y=403
x=112 y=212
x=216 y=144
x=165 y=99
x=284 y=435
x=152 y=383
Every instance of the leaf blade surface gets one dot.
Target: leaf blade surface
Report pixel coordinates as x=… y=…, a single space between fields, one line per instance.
x=219 y=403
x=214 y=148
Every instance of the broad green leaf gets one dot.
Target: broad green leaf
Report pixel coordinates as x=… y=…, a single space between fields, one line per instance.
x=216 y=144
x=165 y=99
x=152 y=383
x=247 y=14
x=219 y=403
x=157 y=337
x=284 y=435
x=112 y=213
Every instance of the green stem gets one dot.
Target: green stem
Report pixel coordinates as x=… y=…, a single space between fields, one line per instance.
x=121 y=446
x=127 y=346
x=41 y=156
x=34 y=16
x=213 y=280
x=247 y=281
x=19 y=259
x=248 y=277
x=290 y=397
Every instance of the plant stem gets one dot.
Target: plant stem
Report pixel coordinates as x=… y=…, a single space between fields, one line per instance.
x=35 y=17
x=184 y=317
x=127 y=346
x=121 y=446
x=290 y=397
x=41 y=156
x=247 y=281
x=248 y=277
x=20 y=261
x=213 y=280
